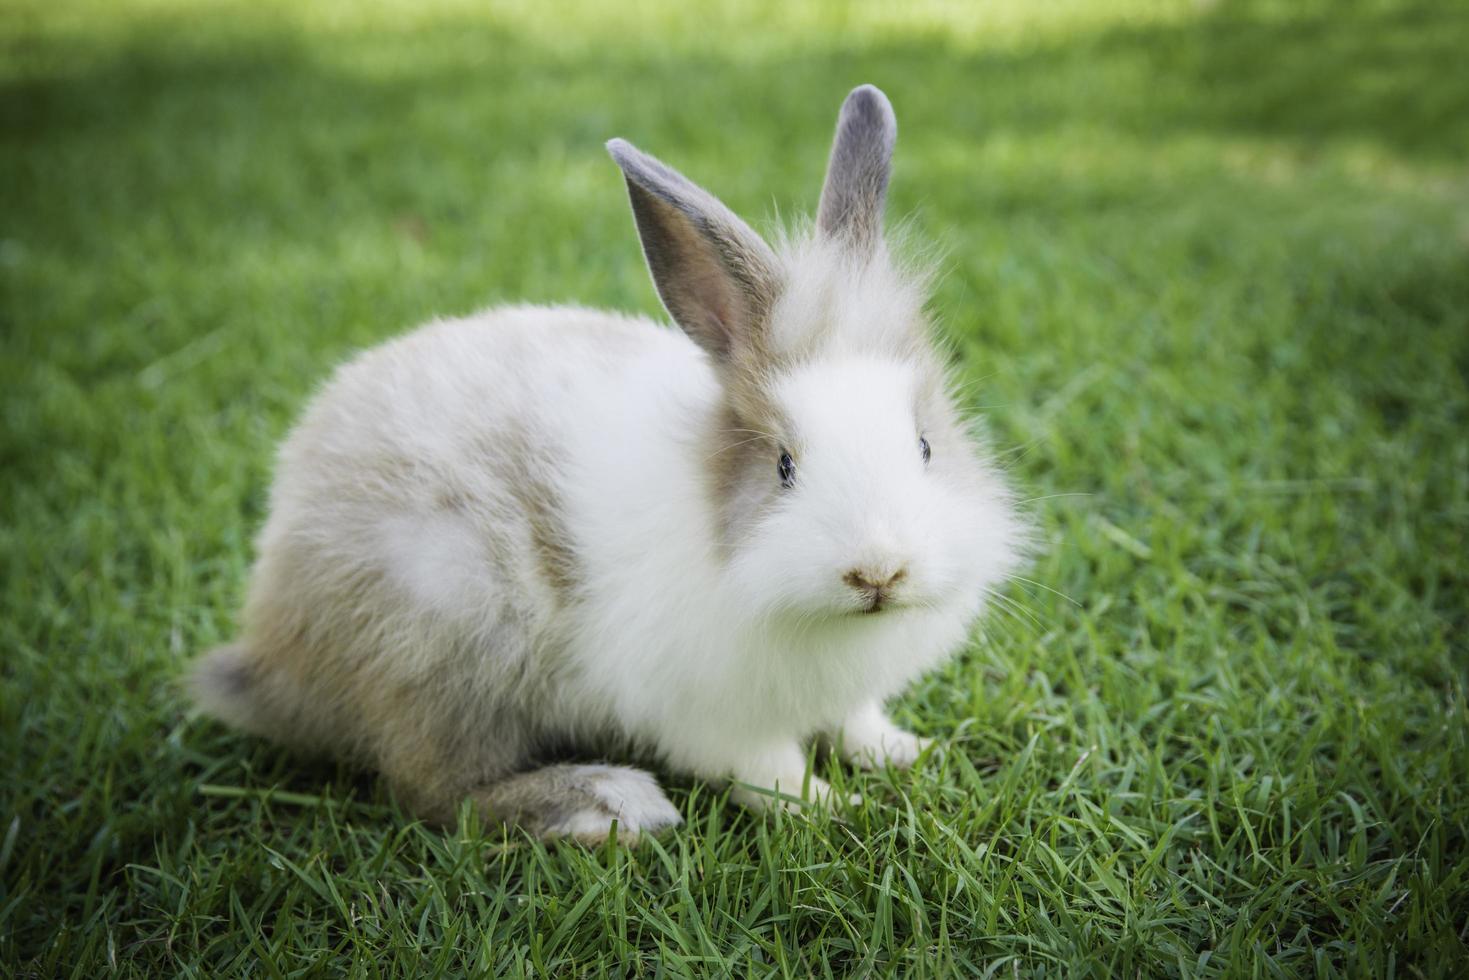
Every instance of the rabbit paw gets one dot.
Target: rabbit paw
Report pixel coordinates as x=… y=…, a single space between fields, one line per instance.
x=870 y=741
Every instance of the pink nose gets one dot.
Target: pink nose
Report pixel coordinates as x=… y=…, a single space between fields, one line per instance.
x=876 y=587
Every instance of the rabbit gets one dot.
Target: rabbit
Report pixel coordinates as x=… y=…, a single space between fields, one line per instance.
x=532 y=528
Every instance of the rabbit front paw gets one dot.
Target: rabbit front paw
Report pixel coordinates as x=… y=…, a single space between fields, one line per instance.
x=779 y=779
x=870 y=741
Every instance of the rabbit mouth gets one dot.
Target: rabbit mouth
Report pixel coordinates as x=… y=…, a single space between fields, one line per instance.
x=877 y=602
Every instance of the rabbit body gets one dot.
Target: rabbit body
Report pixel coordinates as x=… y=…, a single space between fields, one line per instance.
x=539 y=527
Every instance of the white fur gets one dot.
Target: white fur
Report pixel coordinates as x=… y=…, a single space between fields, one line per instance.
x=724 y=663
x=398 y=602
x=720 y=663
x=868 y=739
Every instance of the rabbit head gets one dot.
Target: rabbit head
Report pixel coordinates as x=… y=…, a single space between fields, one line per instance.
x=842 y=477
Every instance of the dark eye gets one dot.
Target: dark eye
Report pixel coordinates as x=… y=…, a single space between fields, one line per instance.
x=786 y=469
x=923 y=448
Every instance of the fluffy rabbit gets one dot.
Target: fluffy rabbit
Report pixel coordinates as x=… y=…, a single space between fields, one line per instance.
x=547 y=527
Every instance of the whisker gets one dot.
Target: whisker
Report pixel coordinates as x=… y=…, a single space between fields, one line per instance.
x=736 y=445
x=755 y=432
x=1006 y=602
x=998 y=623
x=1018 y=450
x=1041 y=585
x=1053 y=496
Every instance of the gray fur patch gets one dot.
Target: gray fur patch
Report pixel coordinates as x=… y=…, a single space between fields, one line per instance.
x=580 y=801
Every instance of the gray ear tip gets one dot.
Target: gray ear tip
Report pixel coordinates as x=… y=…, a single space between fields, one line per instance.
x=621 y=151
x=635 y=164
x=870 y=102
x=867 y=91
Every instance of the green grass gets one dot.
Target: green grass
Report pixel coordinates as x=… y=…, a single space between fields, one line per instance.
x=1207 y=263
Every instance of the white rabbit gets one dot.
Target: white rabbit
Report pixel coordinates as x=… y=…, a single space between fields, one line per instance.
x=541 y=527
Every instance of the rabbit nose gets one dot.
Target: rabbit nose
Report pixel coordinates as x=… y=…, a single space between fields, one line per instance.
x=875 y=585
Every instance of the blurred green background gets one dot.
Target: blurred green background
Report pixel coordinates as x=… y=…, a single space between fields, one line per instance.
x=1206 y=265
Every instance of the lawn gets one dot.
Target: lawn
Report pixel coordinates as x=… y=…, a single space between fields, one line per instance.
x=1206 y=266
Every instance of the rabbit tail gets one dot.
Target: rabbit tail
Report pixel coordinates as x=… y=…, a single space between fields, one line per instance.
x=223 y=684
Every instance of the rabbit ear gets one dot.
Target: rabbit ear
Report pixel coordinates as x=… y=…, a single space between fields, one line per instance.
x=717 y=278
x=857 y=176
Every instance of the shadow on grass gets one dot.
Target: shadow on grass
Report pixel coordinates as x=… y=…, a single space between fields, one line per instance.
x=1385 y=75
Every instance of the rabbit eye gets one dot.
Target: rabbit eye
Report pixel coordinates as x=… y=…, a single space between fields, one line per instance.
x=924 y=450
x=786 y=470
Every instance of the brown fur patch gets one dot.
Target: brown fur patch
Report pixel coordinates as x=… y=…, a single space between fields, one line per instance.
x=749 y=433
x=526 y=468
